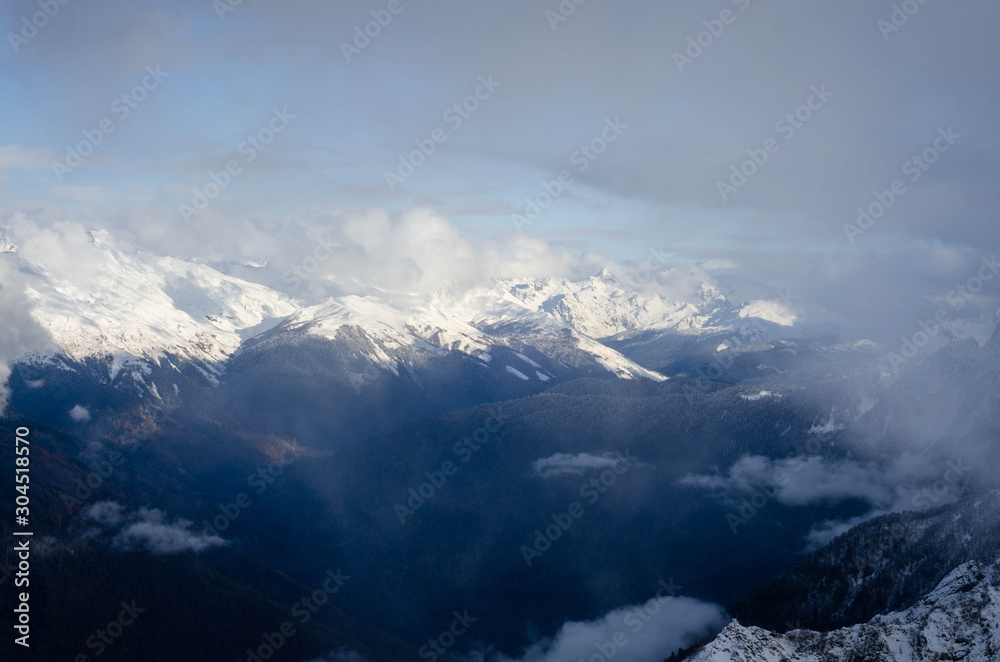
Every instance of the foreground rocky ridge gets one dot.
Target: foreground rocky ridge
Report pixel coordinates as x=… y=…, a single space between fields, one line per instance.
x=880 y=566
x=958 y=620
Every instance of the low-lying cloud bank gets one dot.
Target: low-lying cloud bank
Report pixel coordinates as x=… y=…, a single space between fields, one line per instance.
x=908 y=482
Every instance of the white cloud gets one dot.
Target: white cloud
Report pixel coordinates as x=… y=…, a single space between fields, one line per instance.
x=148 y=528
x=417 y=251
x=106 y=513
x=651 y=631
x=162 y=538
x=79 y=414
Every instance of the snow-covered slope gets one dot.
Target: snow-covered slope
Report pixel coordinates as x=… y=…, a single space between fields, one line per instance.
x=958 y=620
x=431 y=326
x=134 y=305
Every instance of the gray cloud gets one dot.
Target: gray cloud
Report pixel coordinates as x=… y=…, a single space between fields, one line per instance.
x=797 y=482
x=688 y=128
x=804 y=481
x=907 y=481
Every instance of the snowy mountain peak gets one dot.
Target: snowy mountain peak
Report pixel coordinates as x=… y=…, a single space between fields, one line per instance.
x=601 y=307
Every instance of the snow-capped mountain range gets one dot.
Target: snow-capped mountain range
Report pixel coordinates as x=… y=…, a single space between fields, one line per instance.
x=137 y=308
x=127 y=307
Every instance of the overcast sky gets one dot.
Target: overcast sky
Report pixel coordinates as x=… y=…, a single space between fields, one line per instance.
x=676 y=117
